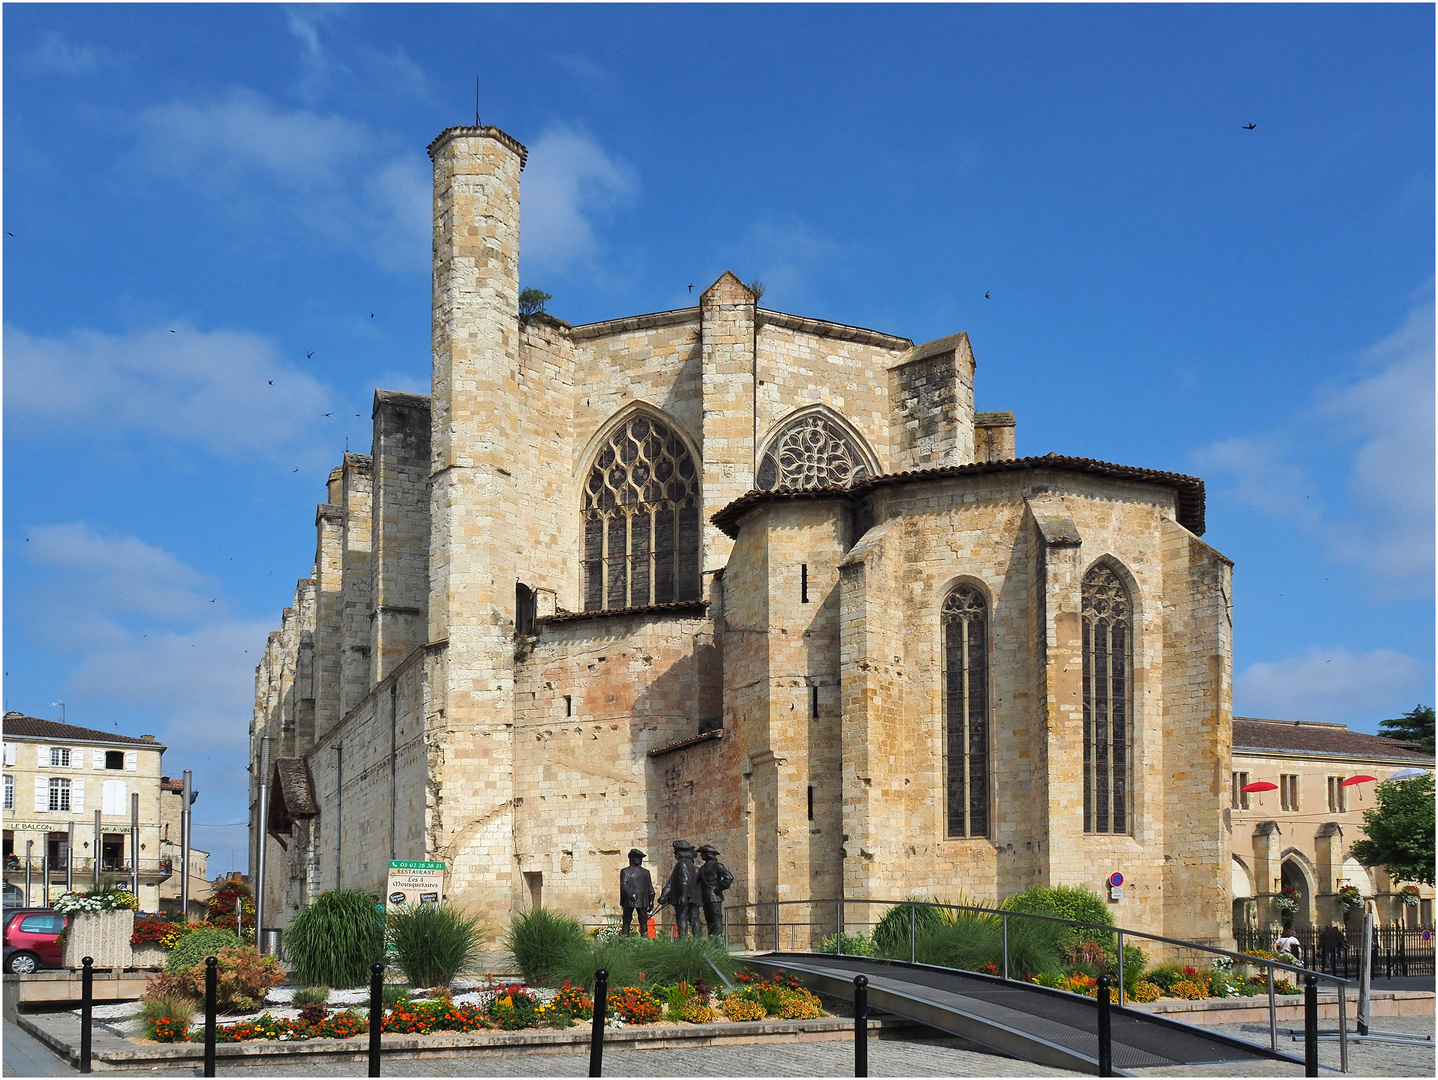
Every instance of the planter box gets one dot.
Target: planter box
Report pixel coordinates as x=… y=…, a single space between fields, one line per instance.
x=102 y=935
x=148 y=955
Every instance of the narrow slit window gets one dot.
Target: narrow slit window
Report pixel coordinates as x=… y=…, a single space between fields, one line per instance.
x=803 y=583
x=811 y=802
x=966 y=711
x=814 y=702
x=1106 y=701
x=568 y=705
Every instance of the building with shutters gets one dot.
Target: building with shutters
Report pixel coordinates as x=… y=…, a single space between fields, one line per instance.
x=60 y=775
x=737 y=576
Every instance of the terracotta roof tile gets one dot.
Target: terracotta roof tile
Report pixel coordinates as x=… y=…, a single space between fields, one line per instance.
x=31 y=727
x=1189 y=488
x=1328 y=739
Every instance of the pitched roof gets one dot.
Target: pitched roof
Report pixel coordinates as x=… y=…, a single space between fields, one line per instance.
x=31 y=727
x=1334 y=740
x=1188 y=488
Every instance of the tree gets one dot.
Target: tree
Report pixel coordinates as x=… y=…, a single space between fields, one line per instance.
x=1415 y=726
x=531 y=301
x=1400 y=830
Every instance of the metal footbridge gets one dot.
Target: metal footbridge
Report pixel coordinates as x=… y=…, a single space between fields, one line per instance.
x=1022 y=1020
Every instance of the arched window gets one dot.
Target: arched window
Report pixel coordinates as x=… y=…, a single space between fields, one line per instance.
x=1107 y=634
x=966 y=711
x=641 y=520
x=812 y=451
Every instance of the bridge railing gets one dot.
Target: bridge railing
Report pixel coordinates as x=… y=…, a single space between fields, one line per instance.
x=832 y=926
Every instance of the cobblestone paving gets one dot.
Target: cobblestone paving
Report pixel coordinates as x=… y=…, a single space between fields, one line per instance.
x=1364 y=1059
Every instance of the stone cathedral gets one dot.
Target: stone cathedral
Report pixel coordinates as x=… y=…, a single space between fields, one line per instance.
x=742 y=577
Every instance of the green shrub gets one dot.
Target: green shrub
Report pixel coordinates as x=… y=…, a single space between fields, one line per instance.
x=661 y=961
x=311 y=995
x=433 y=943
x=891 y=933
x=198 y=944
x=1165 y=976
x=971 y=940
x=335 y=939
x=1064 y=902
x=541 y=942
x=853 y=944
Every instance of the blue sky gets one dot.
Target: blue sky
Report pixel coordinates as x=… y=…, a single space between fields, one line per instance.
x=197 y=198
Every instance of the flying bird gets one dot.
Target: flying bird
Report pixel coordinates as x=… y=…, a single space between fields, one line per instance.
x=172 y=331
x=272 y=382
x=986 y=294
x=691 y=286
x=371 y=314
x=309 y=354
x=9 y=233
x=1249 y=127
x=297 y=469
x=329 y=414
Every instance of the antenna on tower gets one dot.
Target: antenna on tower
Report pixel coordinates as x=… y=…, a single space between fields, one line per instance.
x=476 y=101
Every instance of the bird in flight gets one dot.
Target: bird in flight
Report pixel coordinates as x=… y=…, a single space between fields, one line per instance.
x=297 y=469
x=272 y=382
x=9 y=233
x=1249 y=127
x=329 y=414
x=172 y=331
x=986 y=294
x=691 y=284
x=309 y=354
x=371 y=314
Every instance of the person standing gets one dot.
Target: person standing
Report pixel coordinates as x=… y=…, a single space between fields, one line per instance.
x=714 y=881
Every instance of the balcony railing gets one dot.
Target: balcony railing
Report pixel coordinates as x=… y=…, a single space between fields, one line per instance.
x=151 y=870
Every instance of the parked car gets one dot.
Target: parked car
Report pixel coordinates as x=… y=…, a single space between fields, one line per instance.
x=32 y=939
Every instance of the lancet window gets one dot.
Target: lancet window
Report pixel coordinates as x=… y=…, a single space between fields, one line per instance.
x=1107 y=701
x=641 y=520
x=811 y=452
x=966 y=711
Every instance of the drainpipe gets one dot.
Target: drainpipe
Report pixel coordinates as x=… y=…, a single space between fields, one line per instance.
x=95 y=855
x=339 y=812
x=135 y=845
x=264 y=811
x=70 y=860
x=185 y=848
x=393 y=750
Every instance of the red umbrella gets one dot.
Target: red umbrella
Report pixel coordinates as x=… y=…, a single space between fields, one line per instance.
x=1353 y=781
x=1260 y=785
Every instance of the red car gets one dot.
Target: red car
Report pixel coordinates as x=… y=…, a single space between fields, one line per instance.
x=32 y=939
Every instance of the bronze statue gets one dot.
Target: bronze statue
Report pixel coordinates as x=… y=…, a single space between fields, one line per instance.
x=714 y=881
x=636 y=892
x=682 y=889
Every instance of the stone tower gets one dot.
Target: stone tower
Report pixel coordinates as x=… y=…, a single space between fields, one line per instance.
x=470 y=666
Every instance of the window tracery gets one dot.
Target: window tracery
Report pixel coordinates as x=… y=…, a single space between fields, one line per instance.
x=641 y=520
x=812 y=452
x=966 y=711
x=1107 y=632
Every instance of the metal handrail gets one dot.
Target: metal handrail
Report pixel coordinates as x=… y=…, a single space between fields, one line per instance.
x=1120 y=932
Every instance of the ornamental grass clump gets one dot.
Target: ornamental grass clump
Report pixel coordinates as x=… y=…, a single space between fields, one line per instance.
x=311 y=995
x=160 y=1006
x=334 y=940
x=541 y=942
x=434 y=942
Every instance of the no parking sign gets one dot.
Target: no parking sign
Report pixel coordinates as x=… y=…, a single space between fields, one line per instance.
x=1115 y=886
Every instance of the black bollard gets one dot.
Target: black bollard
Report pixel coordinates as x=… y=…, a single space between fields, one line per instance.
x=596 y=1030
x=1105 y=1029
x=1310 y=1025
x=861 y=1026
x=211 y=978
x=87 y=1002
x=376 y=1014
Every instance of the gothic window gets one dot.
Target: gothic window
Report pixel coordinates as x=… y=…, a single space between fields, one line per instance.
x=1107 y=632
x=812 y=452
x=641 y=520
x=966 y=711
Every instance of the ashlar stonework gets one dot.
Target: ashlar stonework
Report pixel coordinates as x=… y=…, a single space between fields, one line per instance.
x=464 y=682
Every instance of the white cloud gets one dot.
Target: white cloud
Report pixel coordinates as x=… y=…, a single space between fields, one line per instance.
x=330 y=174
x=223 y=390
x=1333 y=685
x=151 y=640
x=1381 y=423
x=55 y=54
x=570 y=182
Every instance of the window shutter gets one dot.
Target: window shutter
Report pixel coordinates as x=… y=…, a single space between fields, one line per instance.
x=98 y=761
x=77 y=796
x=42 y=793
x=42 y=756
x=9 y=753
x=130 y=761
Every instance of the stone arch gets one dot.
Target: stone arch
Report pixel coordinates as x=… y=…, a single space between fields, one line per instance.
x=814 y=447
x=1242 y=893
x=640 y=505
x=1296 y=869
x=1110 y=627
